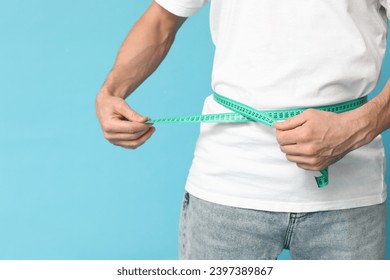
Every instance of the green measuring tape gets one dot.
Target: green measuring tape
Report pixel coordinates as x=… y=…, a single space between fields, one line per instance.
x=245 y=113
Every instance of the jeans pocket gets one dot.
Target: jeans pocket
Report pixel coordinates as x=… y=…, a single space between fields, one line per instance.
x=186 y=201
x=183 y=225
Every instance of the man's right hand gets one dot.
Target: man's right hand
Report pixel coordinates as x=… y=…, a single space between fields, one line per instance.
x=146 y=45
x=112 y=113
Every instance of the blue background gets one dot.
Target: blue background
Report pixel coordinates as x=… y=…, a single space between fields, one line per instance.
x=66 y=193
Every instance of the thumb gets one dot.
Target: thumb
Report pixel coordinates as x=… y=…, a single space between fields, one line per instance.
x=125 y=110
x=291 y=123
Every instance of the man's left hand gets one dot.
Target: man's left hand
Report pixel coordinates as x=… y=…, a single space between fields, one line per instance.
x=315 y=139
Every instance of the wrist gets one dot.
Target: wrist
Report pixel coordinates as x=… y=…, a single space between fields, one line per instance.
x=116 y=85
x=104 y=96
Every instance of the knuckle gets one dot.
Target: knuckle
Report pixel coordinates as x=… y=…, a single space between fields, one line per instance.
x=107 y=135
x=315 y=164
x=313 y=161
x=310 y=112
x=116 y=143
x=304 y=134
x=301 y=166
x=140 y=142
x=309 y=130
x=122 y=144
x=133 y=145
x=312 y=150
x=106 y=126
x=131 y=130
x=130 y=146
x=304 y=166
x=317 y=168
x=279 y=137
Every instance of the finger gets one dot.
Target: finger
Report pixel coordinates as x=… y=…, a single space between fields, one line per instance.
x=317 y=165
x=298 y=159
x=320 y=164
x=306 y=166
x=133 y=144
x=122 y=126
x=300 y=150
x=117 y=137
x=307 y=163
x=311 y=161
x=292 y=150
x=311 y=167
x=124 y=109
x=291 y=123
x=288 y=137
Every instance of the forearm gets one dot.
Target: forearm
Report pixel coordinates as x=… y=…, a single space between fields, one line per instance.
x=142 y=51
x=145 y=47
x=381 y=109
x=371 y=119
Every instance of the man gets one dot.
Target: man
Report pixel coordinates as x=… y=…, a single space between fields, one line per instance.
x=251 y=192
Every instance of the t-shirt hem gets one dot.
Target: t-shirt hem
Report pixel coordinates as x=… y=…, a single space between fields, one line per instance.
x=295 y=207
x=177 y=9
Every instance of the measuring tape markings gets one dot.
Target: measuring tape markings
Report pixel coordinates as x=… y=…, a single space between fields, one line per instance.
x=254 y=114
x=244 y=113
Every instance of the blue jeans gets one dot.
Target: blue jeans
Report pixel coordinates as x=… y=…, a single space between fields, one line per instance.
x=214 y=231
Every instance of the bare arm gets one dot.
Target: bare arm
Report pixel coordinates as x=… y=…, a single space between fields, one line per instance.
x=377 y=111
x=316 y=139
x=146 y=45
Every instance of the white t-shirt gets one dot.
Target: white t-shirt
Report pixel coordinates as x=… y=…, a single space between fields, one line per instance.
x=277 y=54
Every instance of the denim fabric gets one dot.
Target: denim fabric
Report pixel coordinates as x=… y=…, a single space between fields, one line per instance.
x=214 y=231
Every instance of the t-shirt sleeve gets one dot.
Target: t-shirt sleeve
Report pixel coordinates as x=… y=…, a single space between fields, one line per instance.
x=386 y=5
x=182 y=8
